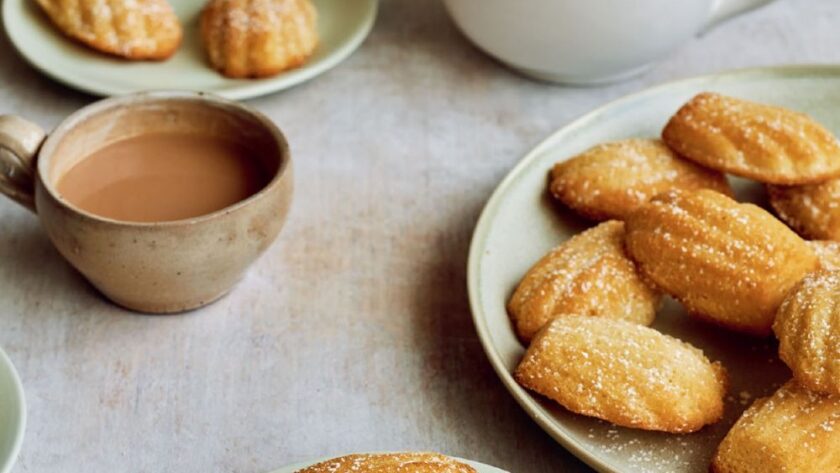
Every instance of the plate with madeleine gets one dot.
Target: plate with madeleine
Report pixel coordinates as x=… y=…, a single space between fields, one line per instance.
x=408 y=462
x=657 y=283
x=238 y=49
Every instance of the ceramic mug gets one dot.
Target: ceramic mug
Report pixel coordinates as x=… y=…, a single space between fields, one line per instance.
x=158 y=267
x=586 y=42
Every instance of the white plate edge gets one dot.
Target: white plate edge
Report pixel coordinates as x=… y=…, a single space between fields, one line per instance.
x=21 y=428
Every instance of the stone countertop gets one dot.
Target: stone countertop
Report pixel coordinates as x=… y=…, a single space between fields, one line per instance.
x=352 y=333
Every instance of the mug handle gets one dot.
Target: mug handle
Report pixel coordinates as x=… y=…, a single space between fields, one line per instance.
x=725 y=9
x=19 y=143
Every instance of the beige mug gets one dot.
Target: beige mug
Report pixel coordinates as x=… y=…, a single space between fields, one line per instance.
x=160 y=267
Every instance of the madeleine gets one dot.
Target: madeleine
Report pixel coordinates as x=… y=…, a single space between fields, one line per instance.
x=624 y=373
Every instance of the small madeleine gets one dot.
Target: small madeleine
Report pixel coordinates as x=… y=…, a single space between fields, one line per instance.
x=828 y=253
x=727 y=262
x=792 y=431
x=808 y=328
x=762 y=142
x=589 y=274
x=258 y=38
x=390 y=463
x=613 y=179
x=625 y=373
x=136 y=30
x=813 y=210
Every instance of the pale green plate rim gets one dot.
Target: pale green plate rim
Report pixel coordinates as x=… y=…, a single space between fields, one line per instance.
x=479 y=239
x=480 y=467
x=247 y=88
x=7 y=370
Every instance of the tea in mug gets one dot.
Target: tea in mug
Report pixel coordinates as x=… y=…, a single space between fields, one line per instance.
x=161 y=177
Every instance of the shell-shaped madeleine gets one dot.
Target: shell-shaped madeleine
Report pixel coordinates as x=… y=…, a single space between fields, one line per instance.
x=625 y=373
x=813 y=210
x=611 y=180
x=139 y=29
x=391 y=463
x=808 y=328
x=258 y=38
x=766 y=143
x=727 y=262
x=828 y=253
x=589 y=274
x=794 y=430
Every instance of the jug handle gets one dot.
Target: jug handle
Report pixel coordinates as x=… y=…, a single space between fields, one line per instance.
x=20 y=141
x=723 y=10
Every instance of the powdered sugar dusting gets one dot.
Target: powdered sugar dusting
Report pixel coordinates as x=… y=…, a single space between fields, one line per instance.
x=808 y=328
x=130 y=28
x=763 y=142
x=828 y=252
x=794 y=430
x=812 y=210
x=730 y=262
x=589 y=274
x=625 y=373
x=611 y=180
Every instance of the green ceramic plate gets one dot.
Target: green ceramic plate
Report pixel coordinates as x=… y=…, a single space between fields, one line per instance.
x=479 y=467
x=342 y=25
x=519 y=224
x=12 y=414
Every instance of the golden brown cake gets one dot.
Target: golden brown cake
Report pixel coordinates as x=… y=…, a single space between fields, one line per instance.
x=792 y=431
x=625 y=373
x=808 y=328
x=391 y=463
x=258 y=38
x=727 y=262
x=613 y=179
x=813 y=210
x=828 y=252
x=762 y=142
x=589 y=274
x=137 y=29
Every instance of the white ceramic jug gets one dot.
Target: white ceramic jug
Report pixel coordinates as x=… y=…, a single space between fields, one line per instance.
x=586 y=41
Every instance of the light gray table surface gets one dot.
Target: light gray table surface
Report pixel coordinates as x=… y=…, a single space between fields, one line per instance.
x=352 y=332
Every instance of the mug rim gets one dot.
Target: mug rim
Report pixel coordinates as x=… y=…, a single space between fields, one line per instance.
x=45 y=154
